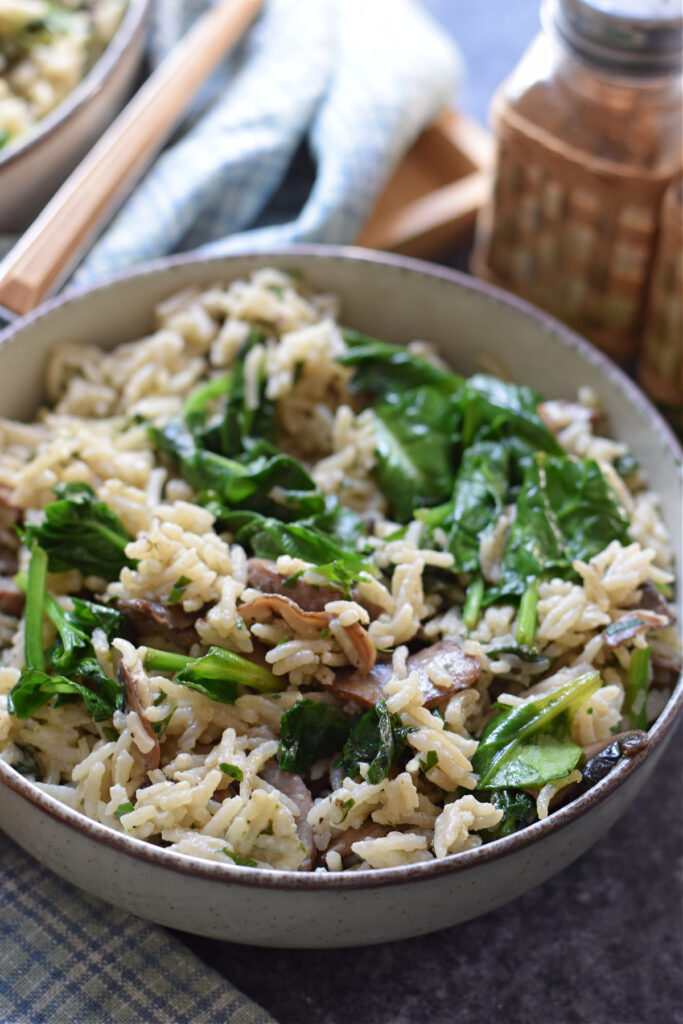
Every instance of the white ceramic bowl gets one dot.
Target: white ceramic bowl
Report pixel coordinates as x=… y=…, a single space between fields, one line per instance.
x=397 y=299
x=31 y=172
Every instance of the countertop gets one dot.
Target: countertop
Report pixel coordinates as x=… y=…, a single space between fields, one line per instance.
x=600 y=943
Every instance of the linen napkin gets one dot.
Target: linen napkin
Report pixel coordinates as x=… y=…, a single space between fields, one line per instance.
x=355 y=81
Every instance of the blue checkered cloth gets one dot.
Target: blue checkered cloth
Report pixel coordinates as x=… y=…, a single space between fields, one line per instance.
x=335 y=89
x=294 y=139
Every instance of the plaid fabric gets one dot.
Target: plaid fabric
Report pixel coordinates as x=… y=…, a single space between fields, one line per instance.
x=67 y=958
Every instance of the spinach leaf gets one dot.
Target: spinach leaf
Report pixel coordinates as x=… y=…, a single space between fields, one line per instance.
x=497 y=408
x=262 y=479
x=82 y=533
x=35 y=688
x=565 y=510
x=386 y=369
x=230 y=431
x=530 y=744
x=519 y=810
x=415 y=438
x=377 y=739
x=480 y=488
x=637 y=686
x=217 y=674
x=308 y=731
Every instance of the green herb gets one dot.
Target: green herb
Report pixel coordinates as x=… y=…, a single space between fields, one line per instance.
x=123 y=809
x=473 y=599
x=80 y=532
x=430 y=761
x=377 y=739
x=110 y=733
x=531 y=744
x=178 y=590
x=528 y=616
x=325 y=633
x=346 y=807
x=494 y=409
x=4 y=137
x=415 y=436
x=519 y=810
x=217 y=674
x=244 y=862
x=310 y=730
x=626 y=464
x=386 y=369
x=565 y=510
x=34 y=655
x=232 y=770
x=637 y=684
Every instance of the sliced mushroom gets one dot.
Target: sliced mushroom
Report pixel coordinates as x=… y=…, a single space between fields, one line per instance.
x=368 y=688
x=262 y=574
x=12 y=599
x=361 y=651
x=9 y=560
x=628 y=626
x=296 y=789
x=342 y=843
x=134 y=702
x=651 y=600
x=144 y=615
x=601 y=757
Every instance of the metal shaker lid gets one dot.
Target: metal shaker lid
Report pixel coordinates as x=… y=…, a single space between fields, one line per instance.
x=639 y=35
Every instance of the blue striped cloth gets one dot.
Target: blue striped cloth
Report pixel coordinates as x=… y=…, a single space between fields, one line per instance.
x=355 y=81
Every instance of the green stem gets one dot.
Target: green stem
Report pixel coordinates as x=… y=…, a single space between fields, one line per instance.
x=201 y=395
x=473 y=599
x=218 y=666
x=165 y=661
x=35 y=601
x=637 y=683
x=528 y=616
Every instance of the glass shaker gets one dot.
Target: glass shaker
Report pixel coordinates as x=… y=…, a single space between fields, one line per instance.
x=589 y=130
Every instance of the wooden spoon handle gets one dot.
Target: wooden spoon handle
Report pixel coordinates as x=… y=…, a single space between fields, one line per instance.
x=45 y=254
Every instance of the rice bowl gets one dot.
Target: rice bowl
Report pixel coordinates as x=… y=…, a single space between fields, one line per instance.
x=411 y=831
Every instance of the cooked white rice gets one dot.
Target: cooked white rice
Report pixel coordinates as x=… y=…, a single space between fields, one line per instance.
x=93 y=433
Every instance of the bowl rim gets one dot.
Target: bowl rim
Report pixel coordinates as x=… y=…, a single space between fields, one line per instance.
x=229 y=874
x=133 y=19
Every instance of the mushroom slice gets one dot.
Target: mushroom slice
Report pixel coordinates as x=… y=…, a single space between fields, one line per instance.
x=172 y=618
x=628 y=626
x=296 y=789
x=342 y=843
x=361 y=651
x=445 y=657
x=601 y=757
x=12 y=599
x=134 y=702
x=262 y=574
x=651 y=600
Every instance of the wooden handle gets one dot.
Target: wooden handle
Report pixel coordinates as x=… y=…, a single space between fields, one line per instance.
x=45 y=254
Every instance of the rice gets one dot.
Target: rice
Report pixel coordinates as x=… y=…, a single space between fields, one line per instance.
x=179 y=767
x=45 y=51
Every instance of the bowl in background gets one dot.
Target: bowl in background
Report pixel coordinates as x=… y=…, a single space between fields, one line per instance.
x=32 y=171
x=399 y=300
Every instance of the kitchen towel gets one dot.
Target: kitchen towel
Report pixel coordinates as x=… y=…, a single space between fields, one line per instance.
x=353 y=82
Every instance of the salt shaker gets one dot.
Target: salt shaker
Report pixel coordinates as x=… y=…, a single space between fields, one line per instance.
x=589 y=137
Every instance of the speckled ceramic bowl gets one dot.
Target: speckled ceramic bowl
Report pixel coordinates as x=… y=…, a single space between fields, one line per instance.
x=31 y=172
x=397 y=299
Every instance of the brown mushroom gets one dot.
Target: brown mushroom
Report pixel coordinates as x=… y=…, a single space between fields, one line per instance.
x=342 y=843
x=628 y=626
x=263 y=575
x=652 y=600
x=362 y=652
x=12 y=599
x=368 y=688
x=296 y=789
x=133 y=701
x=145 y=615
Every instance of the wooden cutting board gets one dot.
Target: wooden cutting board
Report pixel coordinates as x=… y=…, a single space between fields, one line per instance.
x=432 y=200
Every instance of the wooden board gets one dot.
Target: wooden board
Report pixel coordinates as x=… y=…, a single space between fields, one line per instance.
x=432 y=199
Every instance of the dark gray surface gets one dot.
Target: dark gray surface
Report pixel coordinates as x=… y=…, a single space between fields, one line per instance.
x=599 y=944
